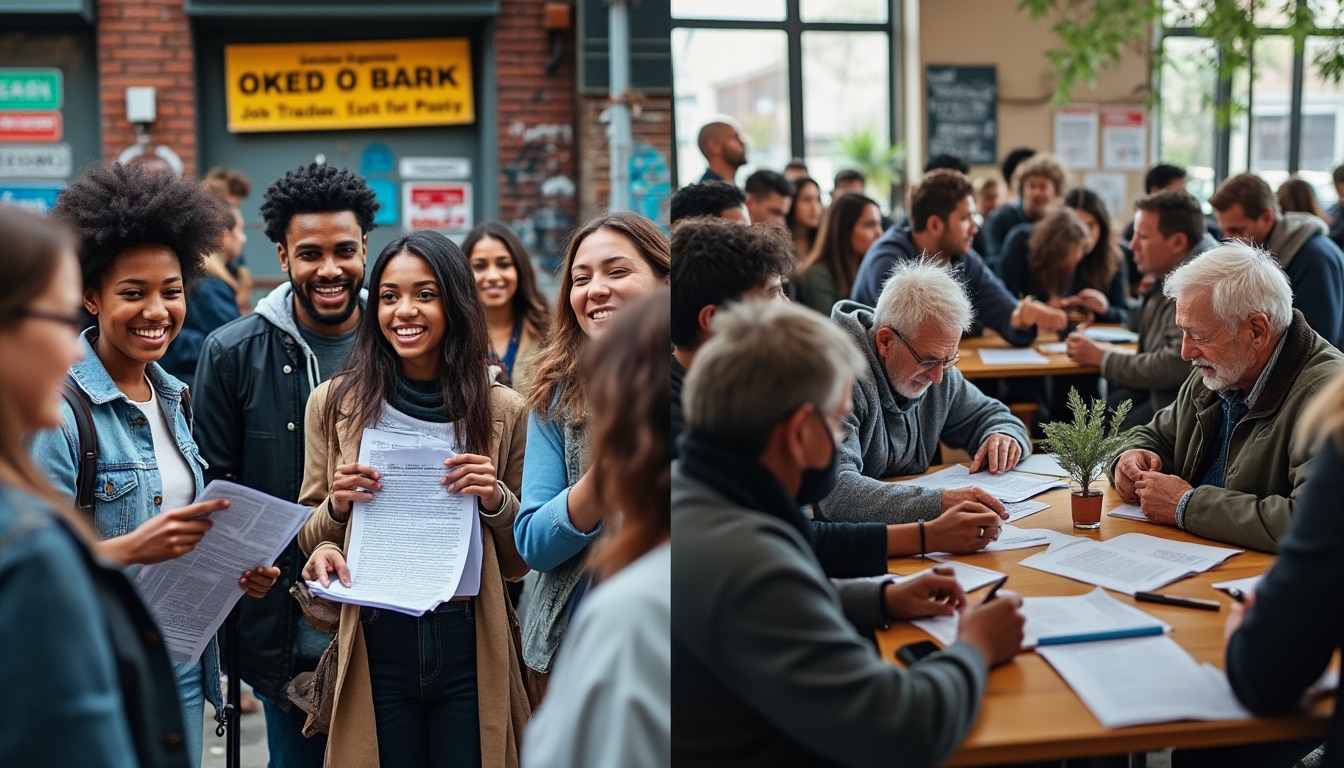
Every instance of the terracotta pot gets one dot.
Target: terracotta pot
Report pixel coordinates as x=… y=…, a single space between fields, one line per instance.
x=1086 y=509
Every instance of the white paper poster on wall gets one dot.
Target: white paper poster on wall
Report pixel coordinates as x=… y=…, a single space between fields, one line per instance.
x=1110 y=187
x=441 y=205
x=1076 y=136
x=1124 y=140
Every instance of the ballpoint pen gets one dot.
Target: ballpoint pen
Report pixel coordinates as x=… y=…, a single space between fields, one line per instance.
x=1186 y=602
x=994 y=590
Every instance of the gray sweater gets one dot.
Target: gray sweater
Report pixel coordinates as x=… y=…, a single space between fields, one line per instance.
x=890 y=435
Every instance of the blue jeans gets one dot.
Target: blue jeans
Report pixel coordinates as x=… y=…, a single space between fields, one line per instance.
x=423 y=673
x=288 y=747
x=192 y=694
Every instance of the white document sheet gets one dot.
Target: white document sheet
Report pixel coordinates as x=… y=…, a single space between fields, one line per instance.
x=1011 y=537
x=190 y=596
x=1009 y=487
x=970 y=577
x=1094 y=562
x=1129 y=512
x=1053 y=347
x=410 y=546
x=1026 y=356
x=1143 y=680
x=1083 y=618
x=1247 y=584
x=1112 y=335
x=1019 y=509
x=1041 y=464
x=1194 y=557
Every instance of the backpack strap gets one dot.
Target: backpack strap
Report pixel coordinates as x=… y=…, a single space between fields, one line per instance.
x=87 y=437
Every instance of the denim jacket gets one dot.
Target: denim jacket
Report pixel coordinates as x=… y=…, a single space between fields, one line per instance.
x=129 y=489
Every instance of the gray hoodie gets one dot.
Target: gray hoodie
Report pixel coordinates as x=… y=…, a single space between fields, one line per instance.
x=890 y=435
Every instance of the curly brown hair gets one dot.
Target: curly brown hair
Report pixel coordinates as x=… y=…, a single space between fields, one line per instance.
x=1051 y=239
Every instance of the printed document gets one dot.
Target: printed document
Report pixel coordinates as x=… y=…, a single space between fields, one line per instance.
x=1129 y=563
x=1143 y=680
x=410 y=547
x=1041 y=464
x=1129 y=512
x=1009 y=487
x=1092 y=617
x=1011 y=537
x=1112 y=335
x=1019 y=509
x=191 y=595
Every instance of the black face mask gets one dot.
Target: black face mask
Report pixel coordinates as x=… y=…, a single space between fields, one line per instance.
x=817 y=484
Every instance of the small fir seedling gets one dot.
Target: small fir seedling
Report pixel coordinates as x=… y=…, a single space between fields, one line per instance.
x=1082 y=446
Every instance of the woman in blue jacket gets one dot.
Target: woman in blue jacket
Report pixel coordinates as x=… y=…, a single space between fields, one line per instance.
x=80 y=660
x=611 y=261
x=141 y=239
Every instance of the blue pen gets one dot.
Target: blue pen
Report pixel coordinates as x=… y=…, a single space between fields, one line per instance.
x=1110 y=634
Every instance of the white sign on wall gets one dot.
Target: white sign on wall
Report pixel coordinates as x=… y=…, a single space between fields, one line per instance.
x=441 y=205
x=434 y=168
x=1076 y=136
x=35 y=161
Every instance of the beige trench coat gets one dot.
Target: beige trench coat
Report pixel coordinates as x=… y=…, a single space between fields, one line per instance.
x=501 y=689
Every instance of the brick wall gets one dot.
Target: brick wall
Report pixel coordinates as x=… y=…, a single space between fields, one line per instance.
x=537 y=159
x=147 y=43
x=652 y=126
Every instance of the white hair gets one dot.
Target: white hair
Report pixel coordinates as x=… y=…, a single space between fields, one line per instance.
x=1243 y=280
x=922 y=289
x=764 y=360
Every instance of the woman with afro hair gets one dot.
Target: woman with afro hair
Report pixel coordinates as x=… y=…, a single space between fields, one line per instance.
x=141 y=238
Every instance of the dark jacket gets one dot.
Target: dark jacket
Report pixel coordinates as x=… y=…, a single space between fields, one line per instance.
x=846 y=550
x=1315 y=269
x=997 y=227
x=1298 y=619
x=210 y=305
x=252 y=386
x=86 y=672
x=769 y=669
x=993 y=304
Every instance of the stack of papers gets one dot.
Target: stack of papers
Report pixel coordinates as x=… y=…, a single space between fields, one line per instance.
x=191 y=595
x=1093 y=617
x=1130 y=563
x=415 y=545
x=1009 y=487
x=1012 y=357
x=1143 y=680
x=1129 y=512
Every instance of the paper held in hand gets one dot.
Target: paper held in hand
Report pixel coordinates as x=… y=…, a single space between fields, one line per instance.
x=190 y=596
x=415 y=545
x=1011 y=486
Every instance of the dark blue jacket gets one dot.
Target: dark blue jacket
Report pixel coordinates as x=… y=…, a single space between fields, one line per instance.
x=1316 y=273
x=992 y=302
x=1019 y=281
x=211 y=304
x=997 y=227
x=86 y=672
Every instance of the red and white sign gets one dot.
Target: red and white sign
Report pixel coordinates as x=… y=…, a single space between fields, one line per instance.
x=1124 y=139
x=442 y=205
x=30 y=126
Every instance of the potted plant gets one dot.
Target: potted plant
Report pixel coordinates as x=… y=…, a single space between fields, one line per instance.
x=1083 y=447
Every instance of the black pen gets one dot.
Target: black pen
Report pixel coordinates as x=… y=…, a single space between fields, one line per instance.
x=1233 y=592
x=994 y=590
x=1185 y=602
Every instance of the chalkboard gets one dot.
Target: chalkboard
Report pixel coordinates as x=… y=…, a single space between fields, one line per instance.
x=963 y=113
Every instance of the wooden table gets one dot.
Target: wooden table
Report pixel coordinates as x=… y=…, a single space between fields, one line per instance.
x=1030 y=713
x=1059 y=363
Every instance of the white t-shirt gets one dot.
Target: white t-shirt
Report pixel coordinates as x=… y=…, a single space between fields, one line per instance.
x=179 y=484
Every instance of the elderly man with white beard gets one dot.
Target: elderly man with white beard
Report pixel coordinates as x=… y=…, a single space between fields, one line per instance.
x=1223 y=461
x=911 y=398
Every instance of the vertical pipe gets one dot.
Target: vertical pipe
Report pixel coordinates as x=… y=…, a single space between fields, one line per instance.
x=618 y=113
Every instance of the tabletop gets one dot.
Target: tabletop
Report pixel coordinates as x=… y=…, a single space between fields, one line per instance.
x=1058 y=363
x=1030 y=713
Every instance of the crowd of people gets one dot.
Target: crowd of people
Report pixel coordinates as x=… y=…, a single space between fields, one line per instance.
x=814 y=353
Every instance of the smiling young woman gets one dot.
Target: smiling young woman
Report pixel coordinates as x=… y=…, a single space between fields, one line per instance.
x=611 y=262
x=515 y=311
x=419 y=364
x=141 y=236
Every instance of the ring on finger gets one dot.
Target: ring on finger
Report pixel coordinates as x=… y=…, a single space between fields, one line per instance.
x=982 y=533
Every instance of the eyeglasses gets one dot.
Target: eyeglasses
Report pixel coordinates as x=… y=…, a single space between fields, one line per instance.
x=76 y=321
x=946 y=362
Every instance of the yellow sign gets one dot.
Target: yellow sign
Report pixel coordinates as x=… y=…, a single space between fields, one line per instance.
x=366 y=84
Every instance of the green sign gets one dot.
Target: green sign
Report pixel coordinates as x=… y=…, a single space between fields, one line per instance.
x=29 y=89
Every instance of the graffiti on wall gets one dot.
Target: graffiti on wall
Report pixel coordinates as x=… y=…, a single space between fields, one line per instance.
x=650 y=184
x=533 y=176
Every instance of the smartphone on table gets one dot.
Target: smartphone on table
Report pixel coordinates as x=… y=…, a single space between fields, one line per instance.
x=911 y=652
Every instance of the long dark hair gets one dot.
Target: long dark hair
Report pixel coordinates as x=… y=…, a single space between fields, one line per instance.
x=832 y=250
x=557 y=368
x=791 y=222
x=629 y=389
x=372 y=366
x=1103 y=261
x=527 y=302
